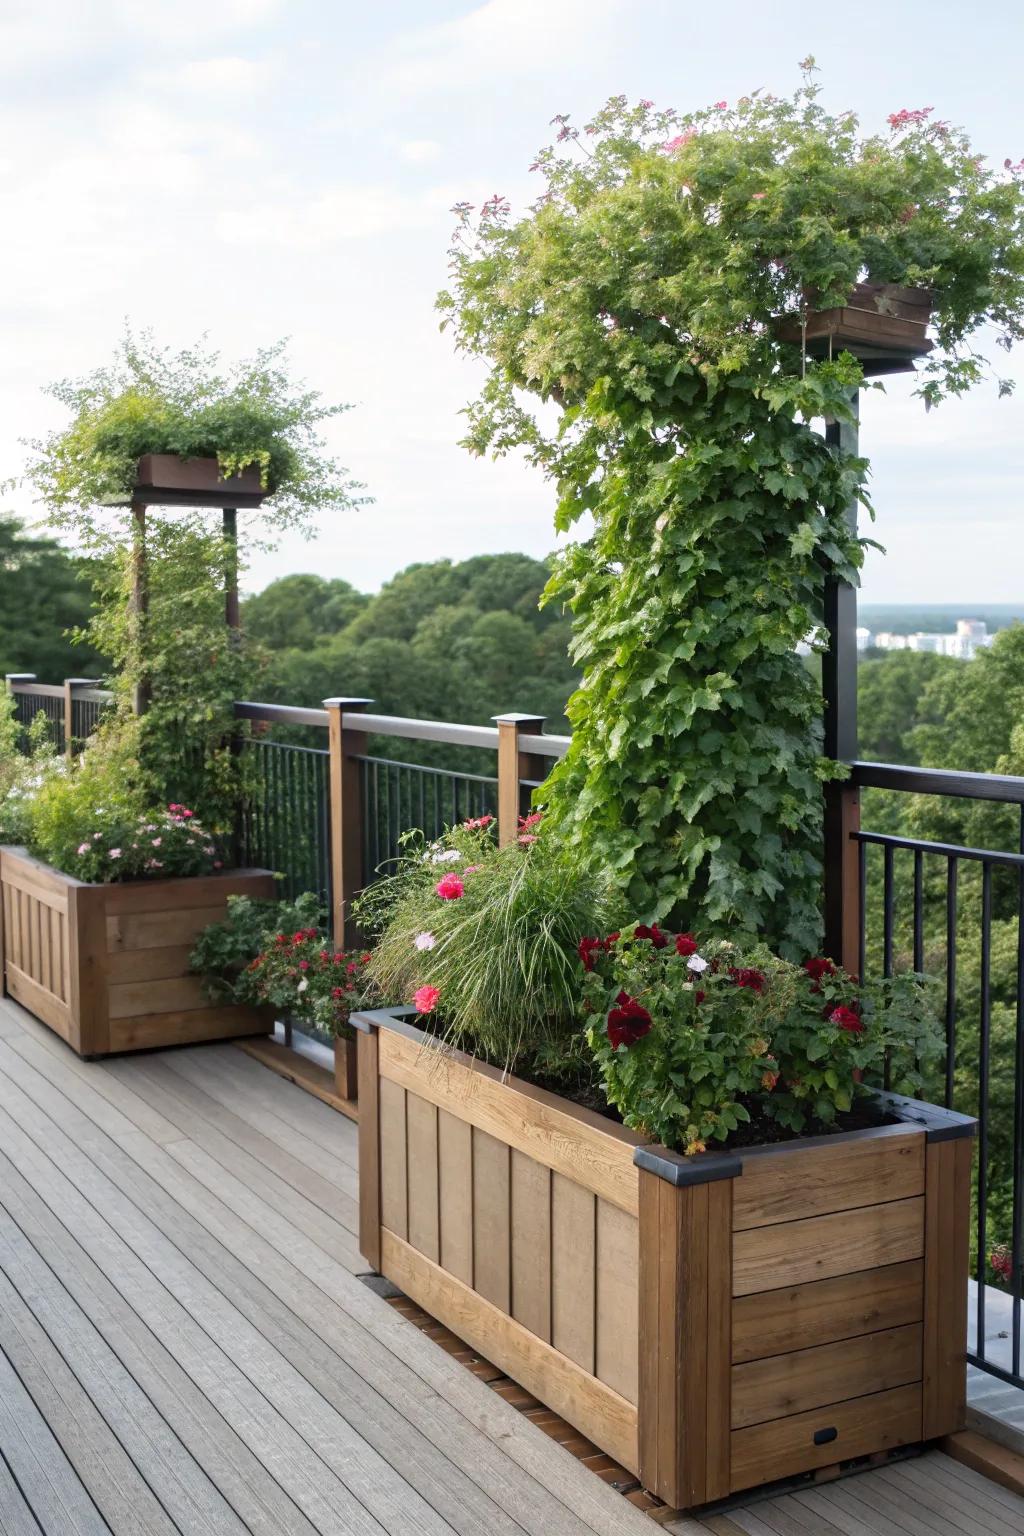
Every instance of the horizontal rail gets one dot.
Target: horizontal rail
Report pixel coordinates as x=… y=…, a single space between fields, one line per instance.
x=545 y=746
x=1003 y=787
x=439 y=773
x=280 y=714
x=38 y=690
x=943 y=850
x=422 y=730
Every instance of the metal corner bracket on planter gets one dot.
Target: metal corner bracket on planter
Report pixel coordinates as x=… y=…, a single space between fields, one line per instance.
x=713 y=1322
x=107 y=966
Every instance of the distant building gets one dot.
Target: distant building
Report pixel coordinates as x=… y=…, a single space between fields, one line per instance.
x=969 y=637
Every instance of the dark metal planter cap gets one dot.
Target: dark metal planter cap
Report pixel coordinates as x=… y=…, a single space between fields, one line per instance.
x=682 y=1172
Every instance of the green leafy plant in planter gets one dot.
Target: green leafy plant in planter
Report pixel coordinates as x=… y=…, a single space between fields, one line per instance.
x=636 y=302
x=224 y=952
x=700 y=1042
x=178 y=651
x=27 y=763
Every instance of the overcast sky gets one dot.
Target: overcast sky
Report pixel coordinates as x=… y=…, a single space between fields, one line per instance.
x=259 y=168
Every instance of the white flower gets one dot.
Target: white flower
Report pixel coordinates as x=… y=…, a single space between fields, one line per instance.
x=424 y=941
x=303 y=984
x=446 y=856
x=695 y=963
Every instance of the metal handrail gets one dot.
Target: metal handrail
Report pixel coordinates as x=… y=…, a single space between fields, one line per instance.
x=1004 y=787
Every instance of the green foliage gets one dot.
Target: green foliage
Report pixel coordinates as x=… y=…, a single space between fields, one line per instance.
x=44 y=594
x=152 y=400
x=224 y=952
x=889 y=693
x=638 y=296
x=496 y=960
x=696 y=1041
x=307 y=980
x=27 y=763
x=102 y=790
x=442 y=641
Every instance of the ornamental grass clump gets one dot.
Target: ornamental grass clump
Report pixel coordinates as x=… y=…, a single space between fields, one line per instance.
x=698 y=1043
x=636 y=302
x=482 y=941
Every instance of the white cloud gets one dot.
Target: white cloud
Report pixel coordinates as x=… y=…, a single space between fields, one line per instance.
x=230 y=75
x=419 y=151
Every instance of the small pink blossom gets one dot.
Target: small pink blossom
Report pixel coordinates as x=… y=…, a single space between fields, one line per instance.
x=646 y=104
x=424 y=940
x=526 y=838
x=450 y=888
x=426 y=999
x=115 y=853
x=157 y=841
x=720 y=106
x=757 y=196
x=905 y=118
x=218 y=863
x=83 y=847
x=680 y=140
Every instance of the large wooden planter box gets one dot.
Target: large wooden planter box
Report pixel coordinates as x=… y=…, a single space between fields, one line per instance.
x=712 y=1323
x=106 y=966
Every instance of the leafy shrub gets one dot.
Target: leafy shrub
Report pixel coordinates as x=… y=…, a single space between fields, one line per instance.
x=695 y=1041
x=151 y=845
x=23 y=772
x=304 y=977
x=484 y=939
x=224 y=952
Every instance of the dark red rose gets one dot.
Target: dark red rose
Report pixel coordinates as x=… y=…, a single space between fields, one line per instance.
x=700 y=995
x=628 y=1022
x=686 y=944
x=585 y=949
x=613 y=938
x=817 y=969
x=747 y=976
x=847 y=1018
x=654 y=933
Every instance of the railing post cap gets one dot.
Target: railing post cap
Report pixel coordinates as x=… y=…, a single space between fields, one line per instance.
x=344 y=703
x=517 y=719
x=19 y=677
x=83 y=682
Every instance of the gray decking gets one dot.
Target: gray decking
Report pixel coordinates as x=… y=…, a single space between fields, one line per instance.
x=184 y=1347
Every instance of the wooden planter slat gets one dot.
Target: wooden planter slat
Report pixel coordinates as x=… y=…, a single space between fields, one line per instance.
x=106 y=966
x=712 y=1323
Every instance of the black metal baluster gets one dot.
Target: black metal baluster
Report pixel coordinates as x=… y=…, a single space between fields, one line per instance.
x=888 y=904
x=918 y=910
x=983 y=1073
x=952 y=880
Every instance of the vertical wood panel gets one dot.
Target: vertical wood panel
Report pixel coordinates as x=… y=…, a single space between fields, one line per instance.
x=421 y=1134
x=719 y=1330
x=573 y=1233
x=32 y=922
x=455 y=1171
x=617 y=1307
x=15 y=926
x=531 y=1245
x=947 y=1245
x=365 y=1047
x=58 y=951
x=394 y=1193
x=44 y=947
x=491 y=1224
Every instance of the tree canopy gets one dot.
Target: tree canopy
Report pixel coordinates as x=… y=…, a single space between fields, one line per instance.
x=45 y=593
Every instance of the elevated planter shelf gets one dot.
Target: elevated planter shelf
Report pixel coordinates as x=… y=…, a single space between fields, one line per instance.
x=106 y=966
x=712 y=1323
x=882 y=324
x=165 y=480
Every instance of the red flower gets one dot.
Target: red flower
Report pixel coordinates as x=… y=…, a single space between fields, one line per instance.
x=303 y=965
x=1001 y=1262
x=477 y=823
x=585 y=950
x=613 y=938
x=337 y=992
x=846 y=1018
x=628 y=1022
x=700 y=995
x=768 y=1080
x=533 y=820
x=654 y=933
x=817 y=969
x=747 y=976
x=449 y=888
x=686 y=944
x=426 y=999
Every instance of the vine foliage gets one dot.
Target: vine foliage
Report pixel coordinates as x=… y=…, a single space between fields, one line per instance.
x=635 y=303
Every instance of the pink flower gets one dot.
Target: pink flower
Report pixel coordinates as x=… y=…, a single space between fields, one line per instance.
x=115 y=853
x=526 y=838
x=533 y=820
x=680 y=140
x=426 y=999
x=477 y=823
x=909 y=119
x=720 y=106
x=757 y=196
x=450 y=888
x=424 y=940
x=157 y=841
x=83 y=847
x=218 y=863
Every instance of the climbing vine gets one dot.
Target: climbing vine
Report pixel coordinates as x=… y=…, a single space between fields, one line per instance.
x=635 y=301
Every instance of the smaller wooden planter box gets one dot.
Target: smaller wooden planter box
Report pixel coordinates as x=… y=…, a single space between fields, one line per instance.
x=106 y=966
x=712 y=1323
x=167 y=480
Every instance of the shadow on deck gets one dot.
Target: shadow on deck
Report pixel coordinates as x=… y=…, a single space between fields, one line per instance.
x=185 y=1346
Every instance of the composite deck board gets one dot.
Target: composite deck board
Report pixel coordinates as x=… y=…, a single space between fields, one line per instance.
x=186 y=1347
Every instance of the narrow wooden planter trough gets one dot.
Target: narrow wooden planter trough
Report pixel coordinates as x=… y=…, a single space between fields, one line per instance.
x=712 y=1323
x=106 y=966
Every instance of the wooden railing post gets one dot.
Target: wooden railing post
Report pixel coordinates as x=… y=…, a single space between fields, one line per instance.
x=70 y=684
x=843 y=916
x=345 y=781
x=513 y=766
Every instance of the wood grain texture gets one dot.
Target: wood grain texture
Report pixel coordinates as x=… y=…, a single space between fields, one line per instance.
x=597 y=1156
x=827 y=1373
x=587 y=1403
x=531 y=1244
x=792 y=1182
x=573 y=1254
x=718 y=1398
x=794 y=1252
x=394 y=1193
x=298 y=1068
x=863 y=1425
x=823 y=1311
x=455 y=1167
x=616 y=1316
x=947 y=1257
x=194 y=1025
x=421 y=1153
x=492 y=1236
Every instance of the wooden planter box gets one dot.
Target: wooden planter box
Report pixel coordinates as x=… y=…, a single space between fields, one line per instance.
x=882 y=324
x=167 y=480
x=106 y=966
x=712 y=1323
